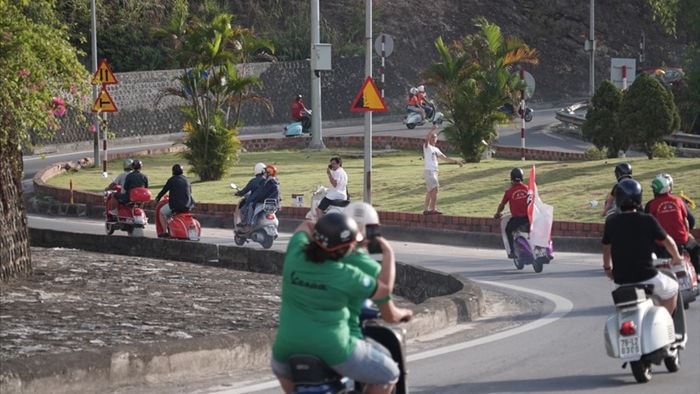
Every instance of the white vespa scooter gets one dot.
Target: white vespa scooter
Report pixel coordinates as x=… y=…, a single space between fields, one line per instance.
x=642 y=333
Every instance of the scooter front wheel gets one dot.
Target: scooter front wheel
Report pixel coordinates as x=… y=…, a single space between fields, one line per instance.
x=109 y=229
x=238 y=240
x=641 y=371
x=267 y=242
x=673 y=363
x=537 y=266
x=411 y=126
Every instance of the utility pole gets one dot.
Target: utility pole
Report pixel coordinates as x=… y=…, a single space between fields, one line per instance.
x=316 y=132
x=591 y=47
x=96 y=120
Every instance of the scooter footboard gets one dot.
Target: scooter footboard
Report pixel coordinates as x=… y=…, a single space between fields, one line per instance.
x=393 y=339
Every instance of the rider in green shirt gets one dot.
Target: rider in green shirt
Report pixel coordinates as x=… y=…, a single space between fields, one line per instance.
x=318 y=289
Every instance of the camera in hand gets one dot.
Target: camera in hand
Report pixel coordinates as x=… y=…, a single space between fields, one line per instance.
x=372 y=232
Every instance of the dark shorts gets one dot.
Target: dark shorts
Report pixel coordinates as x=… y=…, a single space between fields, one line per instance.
x=325 y=203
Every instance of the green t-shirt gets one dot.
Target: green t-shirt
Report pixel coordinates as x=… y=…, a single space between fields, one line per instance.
x=315 y=305
x=360 y=259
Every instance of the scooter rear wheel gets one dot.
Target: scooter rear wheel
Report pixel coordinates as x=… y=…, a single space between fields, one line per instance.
x=537 y=266
x=238 y=240
x=641 y=371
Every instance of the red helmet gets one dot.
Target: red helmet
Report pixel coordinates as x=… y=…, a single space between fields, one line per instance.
x=271 y=170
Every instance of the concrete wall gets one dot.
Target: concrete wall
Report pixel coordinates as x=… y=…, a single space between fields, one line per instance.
x=136 y=93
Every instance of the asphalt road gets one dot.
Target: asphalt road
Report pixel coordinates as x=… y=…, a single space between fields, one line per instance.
x=558 y=350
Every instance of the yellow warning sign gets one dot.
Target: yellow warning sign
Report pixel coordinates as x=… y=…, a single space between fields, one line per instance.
x=369 y=99
x=104 y=102
x=104 y=75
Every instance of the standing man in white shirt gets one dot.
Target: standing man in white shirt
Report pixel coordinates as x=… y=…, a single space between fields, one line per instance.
x=431 y=153
x=338 y=190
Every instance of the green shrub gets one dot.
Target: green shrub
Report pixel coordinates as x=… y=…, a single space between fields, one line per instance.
x=663 y=150
x=593 y=153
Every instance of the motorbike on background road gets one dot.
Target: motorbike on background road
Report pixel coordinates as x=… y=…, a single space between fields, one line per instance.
x=509 y=110
x=642 y=333
x=130 y=217
x=525 y=252
x=265 y=223
x=301 y=127
x=311 y=375
x=181 y=225
x=413 y=119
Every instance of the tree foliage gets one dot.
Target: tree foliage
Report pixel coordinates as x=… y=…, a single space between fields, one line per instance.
x=41 y=79
x=474 y=77
x=214 y=88
x=648 y=113
x=601 y=127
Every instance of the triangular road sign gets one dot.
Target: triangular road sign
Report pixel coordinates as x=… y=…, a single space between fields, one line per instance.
x=369 y=99
x=104 y=102
x=104 y=75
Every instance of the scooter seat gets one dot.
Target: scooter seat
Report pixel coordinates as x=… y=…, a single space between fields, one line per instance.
x=310 y=370
x=631 y=295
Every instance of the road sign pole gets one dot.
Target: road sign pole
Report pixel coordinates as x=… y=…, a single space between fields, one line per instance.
x=367 y=192
x=95 y=121
x=522 y=117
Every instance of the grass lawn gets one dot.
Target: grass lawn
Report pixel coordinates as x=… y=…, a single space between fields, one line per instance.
x=397 y=180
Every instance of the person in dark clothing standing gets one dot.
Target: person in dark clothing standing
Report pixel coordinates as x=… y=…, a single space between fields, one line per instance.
x=180 y=199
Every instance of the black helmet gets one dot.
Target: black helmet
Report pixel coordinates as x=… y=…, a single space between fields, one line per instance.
x=516 y=174
x=136 y=165
x=333 y=231
x=623 y=170
x=177 y=169
x=628 y=194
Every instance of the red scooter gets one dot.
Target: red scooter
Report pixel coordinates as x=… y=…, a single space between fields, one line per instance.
x=130 y=217
x=181 y=225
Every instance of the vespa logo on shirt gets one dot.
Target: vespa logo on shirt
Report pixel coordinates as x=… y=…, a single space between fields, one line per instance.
x=296 y=280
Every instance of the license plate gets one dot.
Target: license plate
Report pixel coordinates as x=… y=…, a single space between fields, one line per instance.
x=630 y=347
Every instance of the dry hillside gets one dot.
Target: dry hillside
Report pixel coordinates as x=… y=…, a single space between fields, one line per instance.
x=557 y=28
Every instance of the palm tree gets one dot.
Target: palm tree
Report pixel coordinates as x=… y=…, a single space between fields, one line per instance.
x=475 y=77
x=214 y=89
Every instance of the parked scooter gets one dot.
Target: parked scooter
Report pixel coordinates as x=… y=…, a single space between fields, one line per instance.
x=130 y=217
x=642 y=333
x=525 y=252
x=413 y=119
x=311 y=375
x=299 y=128
x=509 y=110
x=265 y=223
x=316 y=197
x=181 y=225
